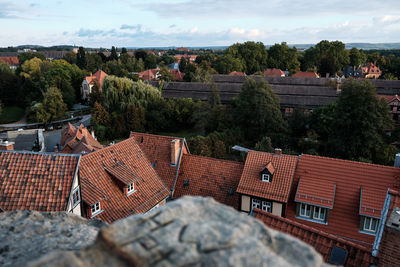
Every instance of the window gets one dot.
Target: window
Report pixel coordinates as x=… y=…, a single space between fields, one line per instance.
x=131 y=188
x=75 y=197
x=265 y=177
x=255 y=203
x=95 y=208
x=319 y=213
x=305 y=210
x=266 y=206
x=370 y=224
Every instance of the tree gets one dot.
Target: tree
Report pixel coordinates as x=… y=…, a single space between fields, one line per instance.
x=26 y=56
x=264 y=145
x=81 y=58
x=100 y=116
x=257 y=111
x=214 y=99
x=52 y=105
x=281 y=56
x=357 y=57
x=135 y=118
x=113 y=55
x=183 y=64
x=31 y=68
x=70 y=57
x=253 y=55
x=358 y=130
x=166 y=75
x=227 y=64
x=150 y=61
x=1 y=107
x=124 y=51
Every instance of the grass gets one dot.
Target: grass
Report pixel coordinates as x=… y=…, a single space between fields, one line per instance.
x=11 y=114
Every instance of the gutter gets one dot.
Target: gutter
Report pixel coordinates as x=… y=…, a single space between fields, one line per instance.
x=177 y=168
x=382 y=222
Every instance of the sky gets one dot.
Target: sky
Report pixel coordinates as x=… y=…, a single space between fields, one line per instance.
x=155 y=23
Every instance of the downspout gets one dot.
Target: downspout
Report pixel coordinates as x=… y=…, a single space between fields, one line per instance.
x=177 y=169
x=381 y=226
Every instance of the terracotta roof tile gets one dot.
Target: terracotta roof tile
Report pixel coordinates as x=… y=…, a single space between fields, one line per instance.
x=323 y=197
x=349 y=177
x=305 y=74
x=322 y=241
x=274 y=73
x=99 y=76
x=209 y=177
x=150 y=190
x=36 y=181
x=279 y=189
x=78 y=140
x=121 y=172
x=158 y=150
x=11 y=61
x=371 y=202
x=92 y=194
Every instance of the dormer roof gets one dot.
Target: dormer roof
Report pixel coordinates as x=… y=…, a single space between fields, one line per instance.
x=270 y=167
x=316 y=192
x=121 y=172
x=371 y=202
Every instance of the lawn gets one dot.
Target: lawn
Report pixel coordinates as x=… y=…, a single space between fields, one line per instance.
x=11 y=114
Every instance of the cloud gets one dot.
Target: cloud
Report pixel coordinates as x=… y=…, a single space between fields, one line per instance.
x=172 y=26
x=137 y=27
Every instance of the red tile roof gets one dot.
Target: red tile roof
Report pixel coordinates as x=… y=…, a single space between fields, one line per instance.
x=158 y=150
x=305 y=74
x=11 y=61
x=322 y=241
x=78 y=140
x=323 y=197
x=237 y=73
x=148 y=74
x=178 y=76
x=99 y=76
x=121 y=172
x=370 y=68
x=371 y=202
x=36 y=181
x=390 y=98
x=150 y=190
x=349 y=177
x=279 y=189
x=209 y=177
x=93 y=194
x=274 y=73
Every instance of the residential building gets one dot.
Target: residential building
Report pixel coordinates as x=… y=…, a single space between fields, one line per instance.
x=13 y=62
x=394 y=103
x=28 y=139
x=39 y=181
x=178 y=76
x=90 y=81
x=305 y=74
x=237 y=73
x=118 y=181
x=78 y=140
x=266 y=182
x=370 y=71
x=182 y=49
x=274 y=73
x=190 y=58
x=147 y=75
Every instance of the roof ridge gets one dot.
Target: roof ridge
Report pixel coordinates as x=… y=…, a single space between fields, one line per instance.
x=351 y=161
x=108 y=147
x=271 y=153
x=222 y=160
x=149 y=134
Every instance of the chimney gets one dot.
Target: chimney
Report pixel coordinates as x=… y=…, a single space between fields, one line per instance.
x=92 y=133
x=56 y=149
x=5 y=145
x=278 y=151
x=397 y=160
x=175 y=144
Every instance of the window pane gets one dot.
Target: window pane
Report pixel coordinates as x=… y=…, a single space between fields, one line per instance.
x=367 y=223
x=374 y=223
x=308 y=210
x=302 y=209
x=316 y=212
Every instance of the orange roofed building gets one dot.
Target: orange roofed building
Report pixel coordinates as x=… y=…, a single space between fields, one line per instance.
x=370 y=71
x=305 y=74
x=237 y=73
x=78 y=140
x=149 y=75
x=39 y=181
x=118 y=181
x=274 y=73
x=89 y=82
x=13 y=62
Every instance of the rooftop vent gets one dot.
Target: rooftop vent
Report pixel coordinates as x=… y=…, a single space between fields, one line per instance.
x=186 y=182
x=230 y=191
x=278 y=151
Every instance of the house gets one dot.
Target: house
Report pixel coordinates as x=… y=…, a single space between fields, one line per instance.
x=266 y=182
x=394 y=103
x=351 y=71
x=78 y=140
x=165 y=154
x=118 y=181
x=178 y=76
x=305 y=74
x=182 y=49
x=13 y=62
x=147 y=75
x=190 y=58
x=90 y=81
x=237 y=73
x=341 y=197
x=274 y=73
x=39 y=181
x=203 y=176
x=370 y=71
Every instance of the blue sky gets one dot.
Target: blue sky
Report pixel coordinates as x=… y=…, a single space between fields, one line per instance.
x=152 y=23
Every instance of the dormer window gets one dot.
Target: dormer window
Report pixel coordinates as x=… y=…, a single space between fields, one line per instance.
x=95 y=209
x=265 y=178
x=369 y=224
x=130 y=189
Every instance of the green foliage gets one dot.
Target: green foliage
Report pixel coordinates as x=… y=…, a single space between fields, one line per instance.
x=100 y=116
x=357 y=57
x=11 y=114
x=113 y=55
x=264 y=145
x=166 y=75
x=282 y=57
x=124 y=51
x=27 y=56
x=52 y=106
x=257 y=111
x=151 y=61
x=227 y=64
x=81 y=58
x=253 y=55
x=183 y=64
x=31 y=68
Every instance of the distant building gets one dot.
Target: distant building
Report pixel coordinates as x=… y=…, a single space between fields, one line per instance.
x=13 y=62
x=371 y=71
x=190 y=58
x=89 y=82
x=182 y=49
x=148 y=75
x=394 y=103
x=305 y=74
x=78 y=140
x=274 y=73
x=237 y=73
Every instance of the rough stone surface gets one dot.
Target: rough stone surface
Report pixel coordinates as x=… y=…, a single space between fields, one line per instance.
x=189 y=232
x=28 y=235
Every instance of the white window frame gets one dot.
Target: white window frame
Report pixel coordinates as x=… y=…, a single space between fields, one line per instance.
x=306 y=206
x=255 y=203
x=95 y=208
x=266 y=206
x=367 y=226
x=266 y=178
x=76 y=197
x=318 y=211
x=131 y=188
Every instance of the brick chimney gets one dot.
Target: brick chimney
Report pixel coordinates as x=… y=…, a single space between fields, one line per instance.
x=175 y=145
x=5 y=145
x=278 y=151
